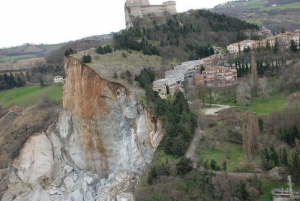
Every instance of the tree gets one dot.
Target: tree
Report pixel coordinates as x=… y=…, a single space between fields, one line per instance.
x=293 y=46
x=261 y=124
x=202 y=96
x=86 y=59
x=100 y=50
x=284 y=157
x=268 y=45
x=243 y=95
x=275 y=48
x=243 y=194
x=202 y=69
x=253 y=69
x=115 y=76
x=210 y=95
x=274 y=156
x=263 y=87
x=224 y=166
x=250 y=134
x=213 y=165
x=42 y=84
x=184 y=166
x=296 y=165
x=168 y=89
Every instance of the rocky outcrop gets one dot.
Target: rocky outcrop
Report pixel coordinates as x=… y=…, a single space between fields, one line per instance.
x=101 y=142
x=103 y=127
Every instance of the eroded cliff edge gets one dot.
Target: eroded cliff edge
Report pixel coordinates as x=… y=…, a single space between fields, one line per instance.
x=102 y=140
x=103 y=127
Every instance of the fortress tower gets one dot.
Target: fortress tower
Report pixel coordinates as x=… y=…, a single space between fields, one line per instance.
x=140 y=8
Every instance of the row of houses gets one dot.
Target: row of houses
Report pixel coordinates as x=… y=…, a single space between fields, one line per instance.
x=214 y=75
x=175 y=77
x=284 y=40
x=217 y=76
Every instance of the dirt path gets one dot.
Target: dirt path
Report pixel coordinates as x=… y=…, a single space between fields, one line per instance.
x=192 y=149
x=214 y=111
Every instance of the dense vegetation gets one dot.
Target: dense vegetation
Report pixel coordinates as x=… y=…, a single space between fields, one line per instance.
x=33 y=75
x=182 y=35
x=180 y=121
x=8 y=81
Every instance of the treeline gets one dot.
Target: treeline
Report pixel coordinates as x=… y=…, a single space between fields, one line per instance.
x=45 y=73
x=128 y=40
x=200 y=51
x=34 y=75
x=172 y=37
x=9 y=81
x=180 y=121
x=48 y=69
x=225 y=22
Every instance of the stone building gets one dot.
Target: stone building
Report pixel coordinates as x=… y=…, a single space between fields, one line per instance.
x=160 y=86
x=217 y=76
x=140 y=8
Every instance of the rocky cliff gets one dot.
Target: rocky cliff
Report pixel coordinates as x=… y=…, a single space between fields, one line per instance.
x=101 y=142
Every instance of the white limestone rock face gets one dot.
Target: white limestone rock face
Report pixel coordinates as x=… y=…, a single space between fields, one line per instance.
x=103 y=127
x=101 y=142
x=35 y=159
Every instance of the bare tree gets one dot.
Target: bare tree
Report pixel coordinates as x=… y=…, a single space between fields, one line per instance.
x=243 y=94
x=250 y=132
x=251 y=80
x=253 y=68
x=264 y=88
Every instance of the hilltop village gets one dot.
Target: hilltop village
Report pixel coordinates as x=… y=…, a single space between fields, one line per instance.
x=213 y=71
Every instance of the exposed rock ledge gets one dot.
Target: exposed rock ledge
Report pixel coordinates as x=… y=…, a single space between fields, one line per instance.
x=101 y=142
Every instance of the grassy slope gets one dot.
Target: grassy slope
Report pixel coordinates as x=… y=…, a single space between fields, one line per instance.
x=234 y=157
x=135 y=58
x=27 y=96
x=276 y=102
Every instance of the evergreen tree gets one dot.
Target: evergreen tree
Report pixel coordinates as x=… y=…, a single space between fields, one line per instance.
x=100 y=50
x=274 y=156
x=261 y=124
x=275 y=48
x=295 y=166
x=284 y=157
x=268 y=45
x=293 y=46
x=86 y=59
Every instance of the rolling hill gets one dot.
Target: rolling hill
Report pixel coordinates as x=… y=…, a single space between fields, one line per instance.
x=273 y=14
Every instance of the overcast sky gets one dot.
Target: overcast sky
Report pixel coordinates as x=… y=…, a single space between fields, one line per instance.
x=56 y=21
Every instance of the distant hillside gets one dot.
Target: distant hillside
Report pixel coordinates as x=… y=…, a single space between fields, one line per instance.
x=273 y=14
x=182 y=36
x=29 y=51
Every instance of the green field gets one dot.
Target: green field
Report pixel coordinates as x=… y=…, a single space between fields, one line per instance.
x=276 y=102
x=27 y=96
x=283 y=7
x=231 y=153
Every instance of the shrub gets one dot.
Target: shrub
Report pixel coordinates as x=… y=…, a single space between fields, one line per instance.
x=184 y=166
x=86 y=59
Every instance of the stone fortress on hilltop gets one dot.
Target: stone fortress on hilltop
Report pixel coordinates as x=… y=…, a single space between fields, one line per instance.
x=140 y=8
